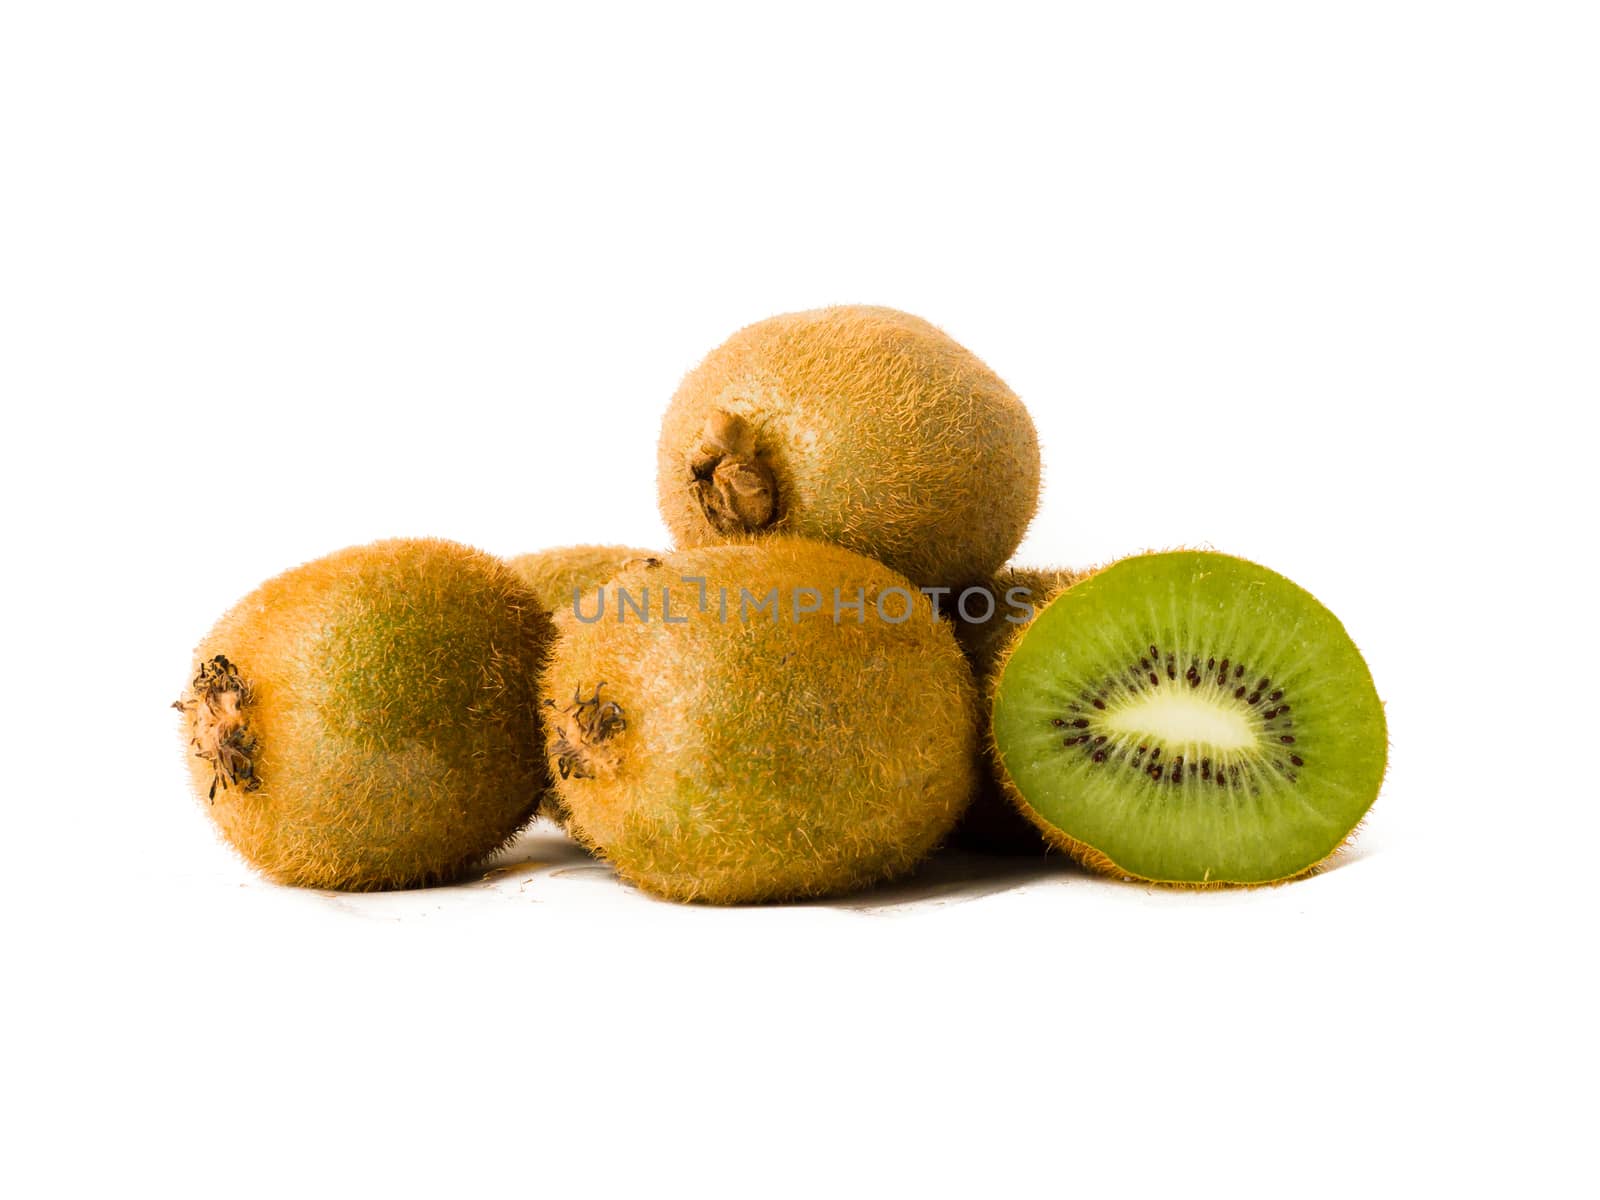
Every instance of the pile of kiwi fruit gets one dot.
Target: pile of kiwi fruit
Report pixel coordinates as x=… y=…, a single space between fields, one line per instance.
x=835 y=671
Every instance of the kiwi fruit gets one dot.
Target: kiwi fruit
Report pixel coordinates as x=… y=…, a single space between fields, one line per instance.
x=987 y=617
x=760 y=721
x=564 y=579
x=369 y=720
x=862 y=426
x=1190 y=718
x=570 y=574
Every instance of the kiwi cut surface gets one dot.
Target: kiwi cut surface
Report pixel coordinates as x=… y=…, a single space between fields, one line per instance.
x=1190 y=718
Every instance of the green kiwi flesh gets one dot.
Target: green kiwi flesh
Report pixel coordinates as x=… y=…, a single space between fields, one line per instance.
x=1190 y=718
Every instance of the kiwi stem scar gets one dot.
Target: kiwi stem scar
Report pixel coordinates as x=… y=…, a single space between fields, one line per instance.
x=735 y=489
x=581 y=730
x=216 y=707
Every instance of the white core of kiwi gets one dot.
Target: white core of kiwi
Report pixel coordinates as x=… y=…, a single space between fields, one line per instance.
x=1183 y=718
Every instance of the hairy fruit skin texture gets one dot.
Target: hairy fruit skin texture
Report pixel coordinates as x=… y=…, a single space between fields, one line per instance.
x=553 y=575
x=862 y=426
x=556 y=577
x=745 y=760
x=387 y=694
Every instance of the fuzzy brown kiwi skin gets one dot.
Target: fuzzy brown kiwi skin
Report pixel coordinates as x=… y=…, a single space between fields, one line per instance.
x=378 y=716
x=994 y=823
x=725 y=762
x=859 y=425
x=1082 y=853
x=553 y=575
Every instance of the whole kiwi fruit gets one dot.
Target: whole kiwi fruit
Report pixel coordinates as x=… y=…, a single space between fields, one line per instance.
x=1190 y=718
x=724 y=731
x=862 y=426
x=369 y=720
x=568 y=575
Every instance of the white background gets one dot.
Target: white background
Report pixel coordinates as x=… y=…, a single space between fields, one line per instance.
x=1316 y=285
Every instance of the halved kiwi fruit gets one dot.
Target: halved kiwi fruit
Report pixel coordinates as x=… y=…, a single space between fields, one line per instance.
x=1190 y=718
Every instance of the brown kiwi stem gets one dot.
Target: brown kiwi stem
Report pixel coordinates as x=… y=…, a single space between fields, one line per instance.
x=219 y=726
x=736 y=491
x=581 y=731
